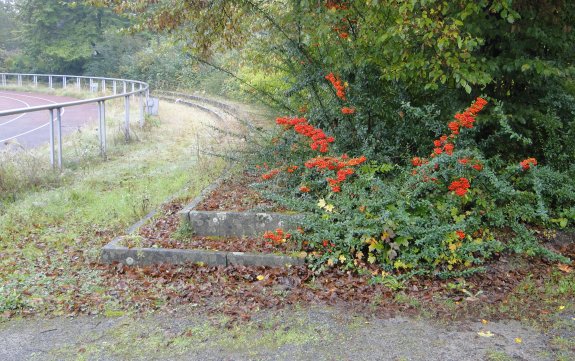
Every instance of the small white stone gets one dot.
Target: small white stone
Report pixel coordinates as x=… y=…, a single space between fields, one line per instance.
x=129 y=261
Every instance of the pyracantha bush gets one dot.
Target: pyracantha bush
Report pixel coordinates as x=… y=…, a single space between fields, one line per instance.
x=446 y=214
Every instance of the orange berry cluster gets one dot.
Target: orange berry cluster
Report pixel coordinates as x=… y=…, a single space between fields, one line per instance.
x=445 y=145
x=272 y=173
x=528 y=163
x=341 y=165
x=348 y=110
x=460 y=186
x=320 y=141
x=474 y=164
x=337 y=84
x=278 y=237
x=467 y=118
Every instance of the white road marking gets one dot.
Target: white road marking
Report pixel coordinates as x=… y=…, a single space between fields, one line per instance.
x=32 y=130
x=19 y=116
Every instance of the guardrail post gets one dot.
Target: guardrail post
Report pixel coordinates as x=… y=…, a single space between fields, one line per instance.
x=114 y=87
x=50 y=82
x=3 y=80
x=142 y=117
x=147 y=100
x=19 y=80
x=52 y=137
x=103 y=86
x=127 y=117
x=102 y=118
x=64 y=83
x=35 y=81
x=78 y=83
x=59 y=125
x=124 y=86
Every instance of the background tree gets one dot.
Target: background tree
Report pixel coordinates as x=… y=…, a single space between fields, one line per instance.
x=61 y=36
x=9 y=36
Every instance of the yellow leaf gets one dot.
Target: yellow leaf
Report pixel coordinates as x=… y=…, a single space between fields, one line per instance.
x=329 y=207
x=484 y=322
x=321 y=203
x=485 y=333
x=330 y=262
x=342 y=258
x=565 y=268
x=260 y=277
x=518 y=340
x=561 y=308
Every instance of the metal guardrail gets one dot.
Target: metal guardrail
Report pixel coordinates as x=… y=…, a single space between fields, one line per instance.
x=118 y=87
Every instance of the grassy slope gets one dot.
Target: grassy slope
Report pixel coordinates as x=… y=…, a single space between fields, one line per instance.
x=48 y=236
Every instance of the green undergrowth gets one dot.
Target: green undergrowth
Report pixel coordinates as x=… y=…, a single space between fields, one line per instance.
x=50 y=235
x=443 y=216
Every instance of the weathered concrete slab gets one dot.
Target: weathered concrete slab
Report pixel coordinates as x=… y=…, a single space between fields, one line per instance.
x=145 y=256
x=113 y=252
x=261 y=259
x=238 y=224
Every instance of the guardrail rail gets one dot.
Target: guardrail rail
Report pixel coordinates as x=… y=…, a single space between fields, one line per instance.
x=116 y=87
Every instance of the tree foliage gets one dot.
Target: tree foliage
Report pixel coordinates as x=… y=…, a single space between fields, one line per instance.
x=61 y=36
x=401 y=60
x=8 y=32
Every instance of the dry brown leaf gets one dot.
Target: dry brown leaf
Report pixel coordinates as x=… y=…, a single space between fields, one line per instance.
x=565 y=268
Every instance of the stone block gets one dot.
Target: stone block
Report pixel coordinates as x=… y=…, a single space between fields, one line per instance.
x=145 y=256
x=261 y=259
x=238 y=224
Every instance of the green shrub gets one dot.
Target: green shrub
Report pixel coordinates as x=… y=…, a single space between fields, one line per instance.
x=446 y=215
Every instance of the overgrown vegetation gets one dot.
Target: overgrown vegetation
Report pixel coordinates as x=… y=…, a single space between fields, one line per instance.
x=391 y=185
x=51 y=235
x=444 y=215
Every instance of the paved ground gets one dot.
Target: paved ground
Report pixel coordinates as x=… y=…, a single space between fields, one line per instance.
x=304 y=334
x=31 y=129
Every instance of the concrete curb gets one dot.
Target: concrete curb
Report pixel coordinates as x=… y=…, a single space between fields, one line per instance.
x=208 y=224
x=112 y=253
x=226 y=224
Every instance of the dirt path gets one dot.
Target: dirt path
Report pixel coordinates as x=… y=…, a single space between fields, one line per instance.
x=308 y=334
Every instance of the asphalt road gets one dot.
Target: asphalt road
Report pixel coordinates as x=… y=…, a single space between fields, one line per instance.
x=32 y=129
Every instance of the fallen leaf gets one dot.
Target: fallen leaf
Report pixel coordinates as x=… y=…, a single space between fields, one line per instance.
x=561 y=308
x=518 y=340
x=565 y=268
x=484 y=322
x=485 y=333
x=260 y=277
